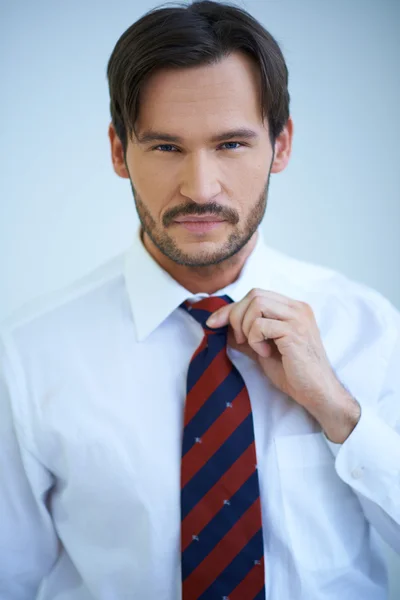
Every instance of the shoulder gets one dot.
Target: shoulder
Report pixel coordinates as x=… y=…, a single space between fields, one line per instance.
x=330 y=286
x=59 y=312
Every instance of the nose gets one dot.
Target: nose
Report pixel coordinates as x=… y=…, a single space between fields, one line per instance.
x=199 y=179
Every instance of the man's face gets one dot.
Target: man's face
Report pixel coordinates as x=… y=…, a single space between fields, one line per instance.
x=176 y=181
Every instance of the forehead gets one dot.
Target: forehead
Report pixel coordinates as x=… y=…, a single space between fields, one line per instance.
x=202 y=99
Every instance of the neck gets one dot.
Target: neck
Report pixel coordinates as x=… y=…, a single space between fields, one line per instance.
x=206 y=280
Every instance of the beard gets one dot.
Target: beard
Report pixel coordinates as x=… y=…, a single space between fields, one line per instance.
x=237 y=239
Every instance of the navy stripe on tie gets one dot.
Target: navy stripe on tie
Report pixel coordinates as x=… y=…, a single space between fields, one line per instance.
x=204 y=359
x=199 y=314
x=237 y=570
x=219 y=525
x=261 y=594
x=217 y=465
x=211 y=410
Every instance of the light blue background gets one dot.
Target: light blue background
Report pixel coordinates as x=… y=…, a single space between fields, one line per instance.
x=63 y=211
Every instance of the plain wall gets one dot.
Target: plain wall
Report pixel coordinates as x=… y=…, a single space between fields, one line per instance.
x=63 y=211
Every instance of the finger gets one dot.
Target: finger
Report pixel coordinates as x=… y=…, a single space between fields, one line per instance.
x=232 y=315
x=263 y=330
x=267 y=307
x=267 y=304
x=258 y=303
x=236 y=319
x=220 y=317
x=286 y=300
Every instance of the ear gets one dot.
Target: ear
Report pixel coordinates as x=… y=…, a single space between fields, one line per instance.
x=117 y=153
x=283 y=148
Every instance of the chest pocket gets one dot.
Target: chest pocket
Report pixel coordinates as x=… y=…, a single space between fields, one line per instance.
x=324 y=519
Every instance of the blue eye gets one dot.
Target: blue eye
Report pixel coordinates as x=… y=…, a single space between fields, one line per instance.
x=238 y=143
x=163 y=146
x=168 y=147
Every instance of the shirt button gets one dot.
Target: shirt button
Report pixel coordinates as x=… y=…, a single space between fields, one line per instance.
x=357 y=473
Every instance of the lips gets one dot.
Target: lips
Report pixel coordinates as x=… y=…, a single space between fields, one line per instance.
x=204 y=219
x=200 y=226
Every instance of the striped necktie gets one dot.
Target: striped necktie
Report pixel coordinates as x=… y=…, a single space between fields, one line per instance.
x=222 y=553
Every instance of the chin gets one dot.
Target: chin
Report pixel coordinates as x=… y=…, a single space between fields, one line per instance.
x=204 y=254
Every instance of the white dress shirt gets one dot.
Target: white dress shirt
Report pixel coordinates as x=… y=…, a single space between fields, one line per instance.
x=92 y=391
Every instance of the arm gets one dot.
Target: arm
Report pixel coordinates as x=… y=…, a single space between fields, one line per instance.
x=369 y=459
x=28 y=542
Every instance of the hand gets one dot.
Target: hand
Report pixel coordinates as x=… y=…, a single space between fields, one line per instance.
x=282 y=335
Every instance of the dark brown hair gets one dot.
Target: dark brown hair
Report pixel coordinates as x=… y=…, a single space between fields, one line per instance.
x=200 y=33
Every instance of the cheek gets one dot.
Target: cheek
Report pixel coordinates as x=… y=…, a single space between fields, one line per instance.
x=248 y=180
x=150 y=183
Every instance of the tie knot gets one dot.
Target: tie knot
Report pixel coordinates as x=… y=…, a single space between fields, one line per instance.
x=202 y=309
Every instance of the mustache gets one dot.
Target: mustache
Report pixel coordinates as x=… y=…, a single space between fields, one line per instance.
x=211 y=208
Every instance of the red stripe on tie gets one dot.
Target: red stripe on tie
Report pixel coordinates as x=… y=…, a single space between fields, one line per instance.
x=210 y=304
x=215 y=436
x=223 y=553
x=251 y=585
x=210 y=379
x=213 y=501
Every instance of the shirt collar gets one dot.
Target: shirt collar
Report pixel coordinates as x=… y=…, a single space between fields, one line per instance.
x=154 y=294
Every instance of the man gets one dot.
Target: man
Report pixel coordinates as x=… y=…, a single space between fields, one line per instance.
x=204 y=416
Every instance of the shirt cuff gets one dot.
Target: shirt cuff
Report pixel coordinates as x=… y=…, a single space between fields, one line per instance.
x=369 y=461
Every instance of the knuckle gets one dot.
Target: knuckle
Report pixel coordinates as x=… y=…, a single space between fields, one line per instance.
x=255 y=292
x=258 y=303
x=306 y=307
x=259 y=322
x=258 y=329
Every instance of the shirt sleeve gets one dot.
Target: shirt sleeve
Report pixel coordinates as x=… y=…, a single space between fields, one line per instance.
x=28 y=542
x=369 y=460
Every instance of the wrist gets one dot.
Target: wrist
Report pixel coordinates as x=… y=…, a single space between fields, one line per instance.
x=341 y=418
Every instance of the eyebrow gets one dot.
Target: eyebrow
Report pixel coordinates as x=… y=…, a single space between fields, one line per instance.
x=156 y=136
